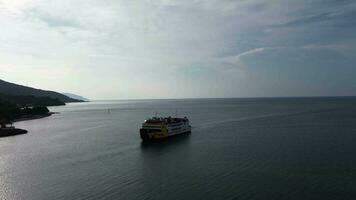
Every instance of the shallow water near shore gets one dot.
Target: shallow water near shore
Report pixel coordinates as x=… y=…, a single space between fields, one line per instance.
x=273 y=148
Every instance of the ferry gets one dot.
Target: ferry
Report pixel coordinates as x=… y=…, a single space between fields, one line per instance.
x=163 y=127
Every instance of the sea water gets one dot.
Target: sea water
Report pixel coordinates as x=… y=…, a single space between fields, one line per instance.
x=268 y=148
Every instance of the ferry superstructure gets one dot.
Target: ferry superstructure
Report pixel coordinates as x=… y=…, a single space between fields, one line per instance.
x=163 y=127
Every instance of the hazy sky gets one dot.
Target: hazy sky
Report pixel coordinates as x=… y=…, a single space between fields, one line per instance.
x=107 y=49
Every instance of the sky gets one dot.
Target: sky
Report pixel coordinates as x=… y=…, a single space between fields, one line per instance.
x=120 y=49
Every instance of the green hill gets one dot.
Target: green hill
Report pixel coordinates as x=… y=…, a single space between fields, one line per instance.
x=19 y=102
x=11 y=89
x=30 y=100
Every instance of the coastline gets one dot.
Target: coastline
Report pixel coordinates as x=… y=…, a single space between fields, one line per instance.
x=12 y=131
x=6 y=132
x=32 y=117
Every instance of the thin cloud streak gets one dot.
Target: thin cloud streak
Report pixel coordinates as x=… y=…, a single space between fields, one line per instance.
x=204 y=48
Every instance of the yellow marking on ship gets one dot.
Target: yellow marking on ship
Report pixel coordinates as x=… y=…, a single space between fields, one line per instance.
x=162 y=134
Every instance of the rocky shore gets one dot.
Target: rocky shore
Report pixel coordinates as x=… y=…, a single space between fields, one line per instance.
x=6 y=131
x=11 y=131
x=32 y=117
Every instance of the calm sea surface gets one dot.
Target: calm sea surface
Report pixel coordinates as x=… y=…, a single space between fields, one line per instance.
x=295 y=148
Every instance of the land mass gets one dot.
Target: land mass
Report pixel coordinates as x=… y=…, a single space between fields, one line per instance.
x=10 y=113
x=74 y=96
x=19 y=103
x=11 y=131
x=12 y=89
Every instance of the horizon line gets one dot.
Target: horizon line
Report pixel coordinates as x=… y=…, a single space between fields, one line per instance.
x=258 y=97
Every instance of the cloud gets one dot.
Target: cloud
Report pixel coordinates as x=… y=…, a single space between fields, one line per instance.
x=337 y=18
x=237 y=60
x=205 y=47
x=253 y=51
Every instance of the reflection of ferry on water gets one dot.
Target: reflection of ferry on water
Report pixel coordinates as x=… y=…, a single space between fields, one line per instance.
x=163 y=127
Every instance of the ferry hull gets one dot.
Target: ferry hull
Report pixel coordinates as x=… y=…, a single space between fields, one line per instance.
x=160 y=135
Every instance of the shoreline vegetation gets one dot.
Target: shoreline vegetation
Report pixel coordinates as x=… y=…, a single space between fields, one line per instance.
x=20 y=103
x=11 y=131
x=32 y=117
x=7 y=129
x=10 y=113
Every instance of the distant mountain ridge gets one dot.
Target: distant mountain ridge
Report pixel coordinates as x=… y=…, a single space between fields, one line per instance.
x=74 y=96
x=8 y=88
